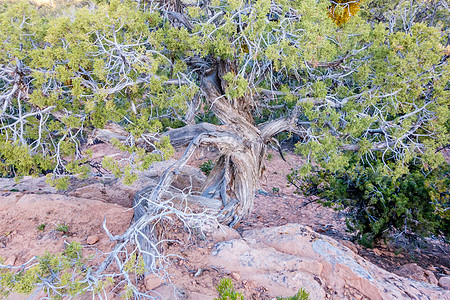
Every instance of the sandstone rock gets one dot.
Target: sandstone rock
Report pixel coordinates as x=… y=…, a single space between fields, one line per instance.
x=152 y=281
x=415 y=272
x=99 y=151
x=350 y=245
x=36 y=295
x=219 y=233
x=27 y=185
x=167 y=292
x=236 y=276
x=103 y=192
x=91 y=240
x=175 y=292
x=199 y=296
x=430 y=277
x=445 y=282
x=286 y=258
x=10 y=261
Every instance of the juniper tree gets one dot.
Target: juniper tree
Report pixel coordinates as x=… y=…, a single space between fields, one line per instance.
x=347 y=84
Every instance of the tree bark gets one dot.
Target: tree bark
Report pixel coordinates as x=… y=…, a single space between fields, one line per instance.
x=229 y=190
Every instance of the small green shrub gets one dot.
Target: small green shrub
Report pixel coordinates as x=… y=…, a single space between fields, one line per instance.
x=414 y=203
x=301 y=295
x=207 y=167
x=41 y=227
x=63 y=228
x=226 y=290
x=269 y=156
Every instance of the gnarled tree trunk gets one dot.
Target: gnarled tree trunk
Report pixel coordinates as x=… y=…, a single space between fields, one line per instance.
x=242 y=145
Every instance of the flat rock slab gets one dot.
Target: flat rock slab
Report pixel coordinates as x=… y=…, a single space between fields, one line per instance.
x=286 y=258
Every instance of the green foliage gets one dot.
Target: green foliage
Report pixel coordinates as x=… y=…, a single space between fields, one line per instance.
x=142 y=159
x=377 y=203
x=301 y=295
x=63 y=228
x=417 y=11
x=66 y=272
x=57 y=276
x=135 y=265
x=380 y=70
x=207 y=116
x=60 y=183
x=41 y=227
x=239 y=84
x=226 y=290
x=58 y=51
x=16 y=160
x=207 y=167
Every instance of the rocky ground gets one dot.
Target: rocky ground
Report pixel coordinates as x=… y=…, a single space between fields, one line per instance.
x=288 y=243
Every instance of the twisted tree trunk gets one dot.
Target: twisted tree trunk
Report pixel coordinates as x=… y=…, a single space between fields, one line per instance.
x=229 y=190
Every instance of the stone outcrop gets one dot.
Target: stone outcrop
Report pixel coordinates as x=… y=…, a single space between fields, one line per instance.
x=286 y=258
x=415 y=272
x=444 y=282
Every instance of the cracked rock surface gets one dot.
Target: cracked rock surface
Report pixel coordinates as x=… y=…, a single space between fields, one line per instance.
x=286 y=258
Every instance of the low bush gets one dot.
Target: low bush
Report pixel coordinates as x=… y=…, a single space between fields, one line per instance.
x=376 y=203
x=227 y=292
